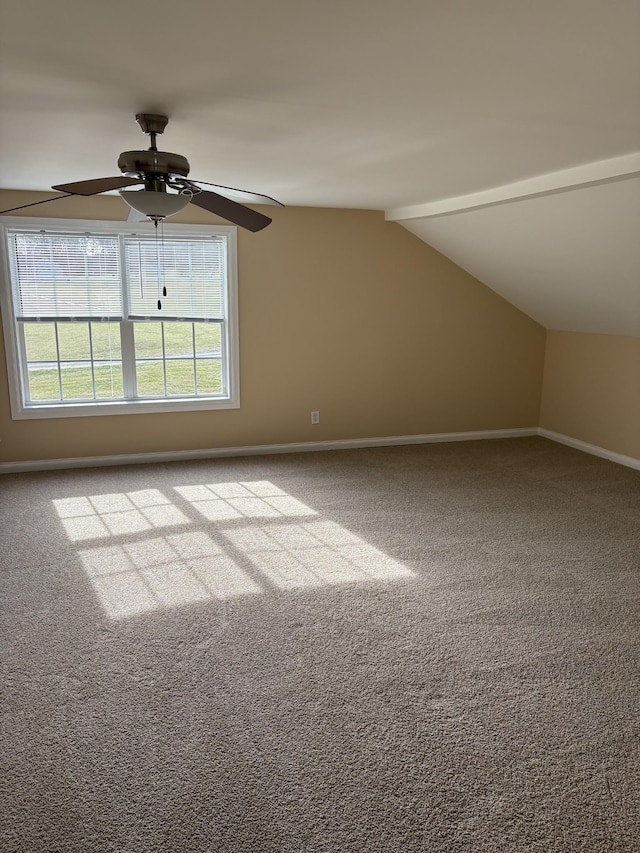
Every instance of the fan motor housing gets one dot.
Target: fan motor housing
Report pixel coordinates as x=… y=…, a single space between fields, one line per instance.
x=153 y=162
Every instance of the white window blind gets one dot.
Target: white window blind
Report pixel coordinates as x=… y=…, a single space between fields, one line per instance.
x=192 y=271
x=66 y=276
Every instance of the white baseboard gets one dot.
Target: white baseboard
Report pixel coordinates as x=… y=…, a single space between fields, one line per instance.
x=593 y=449
x=258 y=450
x=310 y=446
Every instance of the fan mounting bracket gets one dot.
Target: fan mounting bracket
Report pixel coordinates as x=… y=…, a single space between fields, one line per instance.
x=152 y=123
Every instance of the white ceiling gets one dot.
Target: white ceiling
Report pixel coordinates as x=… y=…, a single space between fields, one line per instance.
x=360 y=103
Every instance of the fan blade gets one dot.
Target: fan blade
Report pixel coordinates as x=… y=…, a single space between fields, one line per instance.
x=34 y=203
x=243 y=216
x=257 y=196
x=97 y=185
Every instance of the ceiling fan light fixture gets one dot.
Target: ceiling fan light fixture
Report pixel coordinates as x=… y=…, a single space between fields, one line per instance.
x=154 y=204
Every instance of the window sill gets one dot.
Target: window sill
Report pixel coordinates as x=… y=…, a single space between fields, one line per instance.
x=123 y=407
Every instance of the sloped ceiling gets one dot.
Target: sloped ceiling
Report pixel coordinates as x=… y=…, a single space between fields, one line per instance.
x=362 y=103
x=570 y=260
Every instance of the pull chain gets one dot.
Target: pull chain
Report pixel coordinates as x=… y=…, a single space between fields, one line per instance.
x=155 y=225
x=164 y=278
x=160 y=262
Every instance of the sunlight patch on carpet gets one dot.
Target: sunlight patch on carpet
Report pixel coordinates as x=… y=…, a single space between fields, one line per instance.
x=257 y=537
x=137 y=577
x=226 y=501
x=315 y=553
x=101 y=516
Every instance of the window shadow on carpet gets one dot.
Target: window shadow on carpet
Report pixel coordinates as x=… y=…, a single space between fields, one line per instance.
x=243 y=539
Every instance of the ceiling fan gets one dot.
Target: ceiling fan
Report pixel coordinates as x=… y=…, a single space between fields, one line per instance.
x=159 y=172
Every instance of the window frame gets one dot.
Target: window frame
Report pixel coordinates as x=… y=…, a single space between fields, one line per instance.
x=14 y=342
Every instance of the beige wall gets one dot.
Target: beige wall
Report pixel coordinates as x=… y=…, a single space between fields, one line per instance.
x=591 y=390
x=342 y=312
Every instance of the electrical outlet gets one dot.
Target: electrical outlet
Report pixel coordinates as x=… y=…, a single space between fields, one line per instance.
x=315 y=417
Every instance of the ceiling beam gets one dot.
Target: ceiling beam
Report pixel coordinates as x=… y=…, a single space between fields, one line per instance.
x=587 y=175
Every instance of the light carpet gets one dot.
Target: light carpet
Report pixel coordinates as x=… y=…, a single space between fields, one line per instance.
x=427 y=648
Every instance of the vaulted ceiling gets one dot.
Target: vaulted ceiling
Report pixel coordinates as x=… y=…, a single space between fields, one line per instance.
x=502 y=133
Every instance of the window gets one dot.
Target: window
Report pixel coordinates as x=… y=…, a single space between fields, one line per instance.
x=100 y=318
